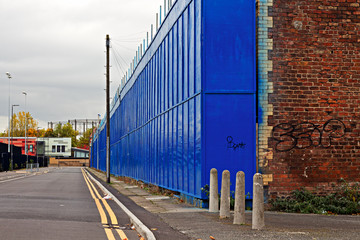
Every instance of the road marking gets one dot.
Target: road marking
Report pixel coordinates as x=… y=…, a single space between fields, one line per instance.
x=121 y=234
x=109 y=234
x=97 y=202
x=113 y=218
x=91 y=191
x=97 y=197
x=139 y=226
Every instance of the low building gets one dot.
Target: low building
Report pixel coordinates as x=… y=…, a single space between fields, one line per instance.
x=20 y=142
x=79 y=153
x=57 y=147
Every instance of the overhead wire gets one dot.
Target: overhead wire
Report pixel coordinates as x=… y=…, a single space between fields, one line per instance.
x=118 y=64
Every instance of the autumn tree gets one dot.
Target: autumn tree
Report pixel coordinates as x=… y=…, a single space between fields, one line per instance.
x=18 y=122
x=48 y=133
x=66 y=130
x=85 y=138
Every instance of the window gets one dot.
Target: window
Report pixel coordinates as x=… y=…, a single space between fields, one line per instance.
x=58 y=148
x=63 y=148
x=53 y=149
x=31 y=148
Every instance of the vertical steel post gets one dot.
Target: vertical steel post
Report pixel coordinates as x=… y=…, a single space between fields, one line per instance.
x=160 y=16
x=9 y=77
x=107 y=109
x=152 y=31
x=26 y=150
x=157 y=22
x=12 y=126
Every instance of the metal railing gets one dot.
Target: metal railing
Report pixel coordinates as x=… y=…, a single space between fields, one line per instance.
x=32 y=167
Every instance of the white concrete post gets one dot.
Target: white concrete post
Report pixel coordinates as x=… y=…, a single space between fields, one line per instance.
x=225 y=195
x=258 y=221
x=239 y=208
x=214 y=191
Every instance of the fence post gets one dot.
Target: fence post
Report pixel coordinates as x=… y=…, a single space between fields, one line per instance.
x=214 y=191
x=258 y=221
x=225 y=195
x=239 y=208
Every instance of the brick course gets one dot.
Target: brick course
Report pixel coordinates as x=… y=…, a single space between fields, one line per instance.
x=316 y=94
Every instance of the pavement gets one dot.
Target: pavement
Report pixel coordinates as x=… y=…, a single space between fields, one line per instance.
x=169 y=218
x=22 y=173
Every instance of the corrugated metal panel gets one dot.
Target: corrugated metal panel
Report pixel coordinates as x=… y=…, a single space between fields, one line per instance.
x=193 y=89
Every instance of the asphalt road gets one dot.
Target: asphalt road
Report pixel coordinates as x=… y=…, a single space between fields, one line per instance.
x=59 y=205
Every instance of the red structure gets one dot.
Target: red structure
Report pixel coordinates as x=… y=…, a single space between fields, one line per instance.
x=20 y=142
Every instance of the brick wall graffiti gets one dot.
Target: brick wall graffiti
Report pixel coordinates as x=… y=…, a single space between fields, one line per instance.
x=306 y=134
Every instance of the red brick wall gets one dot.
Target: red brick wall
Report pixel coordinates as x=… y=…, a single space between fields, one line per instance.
x=316 y=97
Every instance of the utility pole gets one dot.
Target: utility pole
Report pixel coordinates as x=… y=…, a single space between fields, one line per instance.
x=12 y=136
x=107 y=109
x=26 y=150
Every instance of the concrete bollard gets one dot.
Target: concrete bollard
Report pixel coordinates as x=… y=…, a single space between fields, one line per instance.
x=258 y=221
x=239 y=208
x=225 y=195
x=214 y=191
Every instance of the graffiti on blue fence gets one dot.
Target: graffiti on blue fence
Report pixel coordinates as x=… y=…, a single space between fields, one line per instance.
x=233 y=145
x=306 y=134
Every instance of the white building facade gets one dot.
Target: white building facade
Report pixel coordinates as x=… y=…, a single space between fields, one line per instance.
x=57 y=147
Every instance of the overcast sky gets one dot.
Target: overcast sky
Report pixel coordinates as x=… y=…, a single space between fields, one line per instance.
x=54 y=51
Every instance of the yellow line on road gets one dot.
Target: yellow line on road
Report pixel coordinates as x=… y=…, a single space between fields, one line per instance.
x=113 y=218
x=109 y=234
x=96 y=196
x=121 y=234
x=101 y=211
x=91 y=191
x=97 y=202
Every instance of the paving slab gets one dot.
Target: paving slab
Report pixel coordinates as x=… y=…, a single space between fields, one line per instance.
x=195 y=223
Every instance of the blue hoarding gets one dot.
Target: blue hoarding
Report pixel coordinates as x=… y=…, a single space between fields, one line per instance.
x=189 y=105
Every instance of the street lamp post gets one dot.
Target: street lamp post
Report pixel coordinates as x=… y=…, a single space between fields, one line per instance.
x=37 y=136
x=12 y=122
x=26 y=148
x=9 y=77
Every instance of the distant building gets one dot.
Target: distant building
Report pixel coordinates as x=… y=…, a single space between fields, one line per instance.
x=20 y=142
x=57 y=147
x=79 y=153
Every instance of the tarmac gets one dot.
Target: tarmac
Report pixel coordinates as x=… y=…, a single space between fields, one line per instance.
x=169 y=218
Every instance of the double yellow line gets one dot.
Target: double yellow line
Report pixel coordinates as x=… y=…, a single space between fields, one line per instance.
x=104 y=220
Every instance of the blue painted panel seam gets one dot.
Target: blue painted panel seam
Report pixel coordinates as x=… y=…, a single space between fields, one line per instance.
x=188 y=99
x=159 y=37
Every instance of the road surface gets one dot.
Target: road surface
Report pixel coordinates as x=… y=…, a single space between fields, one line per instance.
x=59 y=204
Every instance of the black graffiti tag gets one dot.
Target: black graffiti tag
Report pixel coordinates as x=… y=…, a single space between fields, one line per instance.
x=307 y=134
x=233 y=145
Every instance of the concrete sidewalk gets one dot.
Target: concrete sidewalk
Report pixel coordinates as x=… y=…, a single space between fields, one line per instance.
x=193 y=223
x=21 y=173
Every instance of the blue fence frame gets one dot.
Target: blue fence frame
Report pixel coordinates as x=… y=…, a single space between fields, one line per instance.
x=190 y=104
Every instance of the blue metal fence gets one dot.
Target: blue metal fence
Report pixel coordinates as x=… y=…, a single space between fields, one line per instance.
x=190 y=104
